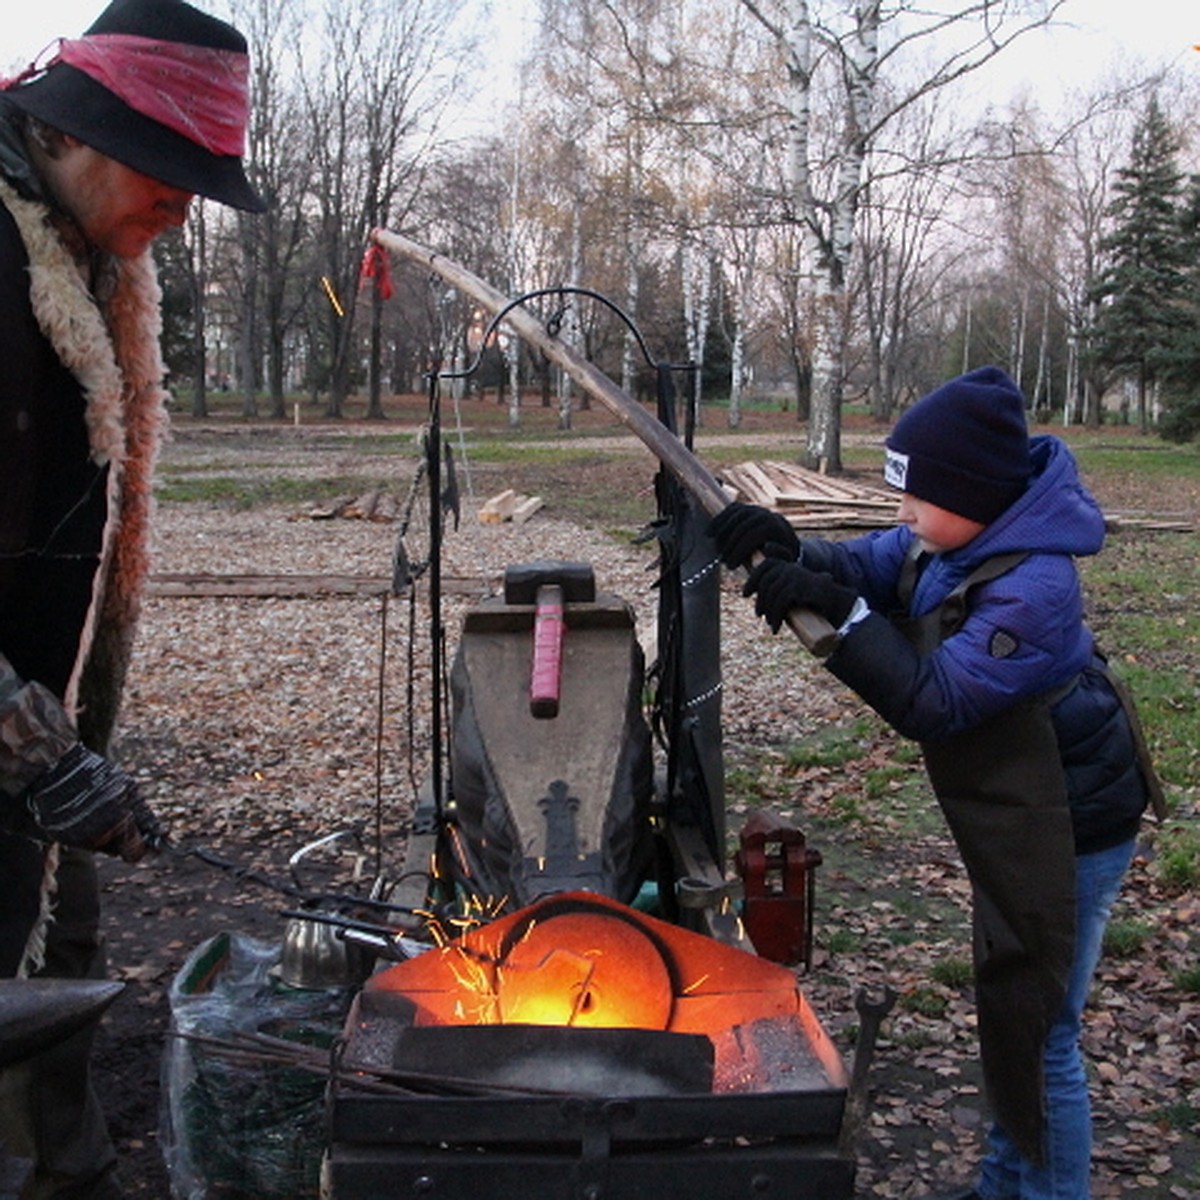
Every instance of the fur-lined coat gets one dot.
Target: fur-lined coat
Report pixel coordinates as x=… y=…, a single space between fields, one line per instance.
x=81 y=420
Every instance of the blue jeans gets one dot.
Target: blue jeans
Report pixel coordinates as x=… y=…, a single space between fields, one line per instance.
x=1005 y=1174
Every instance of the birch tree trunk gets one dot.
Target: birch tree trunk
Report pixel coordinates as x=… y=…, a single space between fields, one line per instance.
x=966 y=350
x=737 y=355
x=1019 y=322
x=697 y=290
x=571 y=329
x=198 y=247
x=633 y=256
x=850 y=62
x=738 y=305
x=512 y=257
x=1040 y=381
x=831 y=239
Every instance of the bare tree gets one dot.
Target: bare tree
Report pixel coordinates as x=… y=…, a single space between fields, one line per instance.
x=373 y=99
x=619 y=68
x=847 y=60
x=906 y=253
x=194 y=236
x=279 y=155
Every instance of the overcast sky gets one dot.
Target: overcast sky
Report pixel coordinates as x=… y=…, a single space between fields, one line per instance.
x=1104 y=32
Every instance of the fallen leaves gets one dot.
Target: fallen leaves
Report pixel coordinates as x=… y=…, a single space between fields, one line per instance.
x=255 y=725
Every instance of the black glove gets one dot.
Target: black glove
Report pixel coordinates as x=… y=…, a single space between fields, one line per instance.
x=86 y=802
x=778 y=587
x=740 y=530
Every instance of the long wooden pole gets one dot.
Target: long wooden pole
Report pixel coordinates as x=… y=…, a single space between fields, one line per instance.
x=814 y=631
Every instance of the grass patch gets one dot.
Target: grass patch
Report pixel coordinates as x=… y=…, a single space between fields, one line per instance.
x=1125 y=939
x=243 y=492
x=533 y=452
x=834 y=747
x=1178 y=861
x=1187 y=979
x=914 y=1039
x=1170 y=712
x=746 y=786
x=842 y=941
x=888 y=781
x=1140 y=597
x=953 y=971
x=1153 y=459
x=847 y=809
x=1181 y=1116
x=925 y=1002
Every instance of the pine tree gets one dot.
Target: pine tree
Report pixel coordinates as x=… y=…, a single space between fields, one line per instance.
x=1139 y=291
x=1181 y=366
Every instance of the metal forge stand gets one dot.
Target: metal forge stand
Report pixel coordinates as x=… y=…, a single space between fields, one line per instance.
x=570 y=1043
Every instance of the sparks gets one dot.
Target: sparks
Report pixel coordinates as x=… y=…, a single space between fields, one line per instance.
x=337 y=304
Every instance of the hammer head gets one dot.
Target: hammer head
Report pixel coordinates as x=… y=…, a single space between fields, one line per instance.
x=577 y=580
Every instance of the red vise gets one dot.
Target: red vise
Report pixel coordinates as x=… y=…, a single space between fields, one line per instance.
x=778 y=878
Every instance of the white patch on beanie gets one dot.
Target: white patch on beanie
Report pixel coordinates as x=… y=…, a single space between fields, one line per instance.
x=895 y=468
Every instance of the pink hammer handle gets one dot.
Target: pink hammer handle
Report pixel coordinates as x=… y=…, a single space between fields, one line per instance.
x=545 y=677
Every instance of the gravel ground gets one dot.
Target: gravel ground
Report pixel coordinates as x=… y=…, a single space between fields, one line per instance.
x=291 y=684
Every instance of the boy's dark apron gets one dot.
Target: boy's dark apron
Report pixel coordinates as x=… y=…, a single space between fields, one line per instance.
x=1002 y=790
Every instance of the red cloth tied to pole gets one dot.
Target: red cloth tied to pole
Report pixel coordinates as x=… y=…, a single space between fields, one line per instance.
x=199 y=92
x=377 y=265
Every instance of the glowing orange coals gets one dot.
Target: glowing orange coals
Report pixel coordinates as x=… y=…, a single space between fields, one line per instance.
x=582 y=960
x=587 y=969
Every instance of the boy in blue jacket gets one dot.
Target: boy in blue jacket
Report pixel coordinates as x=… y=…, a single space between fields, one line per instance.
x=963 y=627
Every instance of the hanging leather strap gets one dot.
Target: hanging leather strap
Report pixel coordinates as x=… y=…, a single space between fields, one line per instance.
x=1154 y=791
x=988 y=570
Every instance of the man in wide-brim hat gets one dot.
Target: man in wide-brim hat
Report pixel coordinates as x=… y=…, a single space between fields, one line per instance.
x=102 y=148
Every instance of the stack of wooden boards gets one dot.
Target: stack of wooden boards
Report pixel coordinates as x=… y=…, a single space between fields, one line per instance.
x=809 y=499
x=509 y=506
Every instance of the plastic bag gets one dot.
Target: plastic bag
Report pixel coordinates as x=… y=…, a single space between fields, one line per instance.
x=231 y=1124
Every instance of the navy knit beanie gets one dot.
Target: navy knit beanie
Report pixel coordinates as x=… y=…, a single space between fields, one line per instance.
x=963 y=447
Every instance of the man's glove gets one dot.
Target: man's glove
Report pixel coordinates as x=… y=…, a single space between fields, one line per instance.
x=86 y=802
x=778 y=587
x=740 y=530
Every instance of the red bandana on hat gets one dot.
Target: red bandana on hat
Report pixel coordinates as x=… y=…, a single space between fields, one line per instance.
x=201 y=93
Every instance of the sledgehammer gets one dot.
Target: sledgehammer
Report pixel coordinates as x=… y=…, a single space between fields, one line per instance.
x=548 y=585
x=814 y=631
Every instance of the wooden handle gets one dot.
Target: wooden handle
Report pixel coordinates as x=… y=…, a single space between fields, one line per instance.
x=813 y=630
x=545 y=674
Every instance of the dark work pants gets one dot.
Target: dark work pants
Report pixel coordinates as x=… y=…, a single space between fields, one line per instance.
x=48 y=1109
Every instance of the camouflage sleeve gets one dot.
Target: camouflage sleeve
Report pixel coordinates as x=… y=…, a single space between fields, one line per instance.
x=35 y=731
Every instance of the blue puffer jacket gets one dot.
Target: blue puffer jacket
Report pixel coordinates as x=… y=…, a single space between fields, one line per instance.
x=1024 y=635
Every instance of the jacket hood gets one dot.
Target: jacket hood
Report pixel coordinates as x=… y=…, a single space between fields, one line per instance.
x=1055 y=515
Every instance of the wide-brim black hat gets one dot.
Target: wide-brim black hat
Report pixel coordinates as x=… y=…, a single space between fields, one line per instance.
x=69 y=100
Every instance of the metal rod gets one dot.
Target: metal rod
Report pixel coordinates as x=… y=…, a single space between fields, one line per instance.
x=433 y=461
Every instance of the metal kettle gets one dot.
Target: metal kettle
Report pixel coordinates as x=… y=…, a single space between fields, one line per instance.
x=315 y=954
